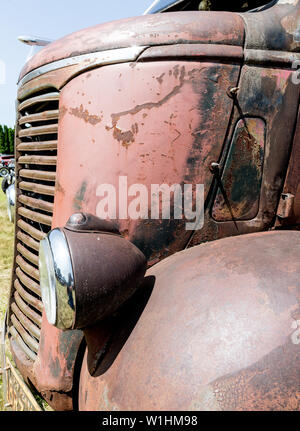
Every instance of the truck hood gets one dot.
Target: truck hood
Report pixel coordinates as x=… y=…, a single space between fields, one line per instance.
x=224 y=28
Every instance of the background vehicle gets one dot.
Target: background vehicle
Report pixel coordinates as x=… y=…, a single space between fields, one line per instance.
x=8 y=187
x=184 y=98
x=6 y=159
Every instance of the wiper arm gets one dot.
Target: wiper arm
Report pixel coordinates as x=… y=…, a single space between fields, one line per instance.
x=215 y=169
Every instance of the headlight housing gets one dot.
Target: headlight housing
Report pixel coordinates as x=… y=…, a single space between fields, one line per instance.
x=87 y=270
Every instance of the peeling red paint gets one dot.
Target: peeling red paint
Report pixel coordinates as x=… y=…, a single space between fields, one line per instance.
x=85 y=115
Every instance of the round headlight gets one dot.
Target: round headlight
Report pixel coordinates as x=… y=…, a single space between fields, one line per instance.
x=57 y=280
x=47 y=281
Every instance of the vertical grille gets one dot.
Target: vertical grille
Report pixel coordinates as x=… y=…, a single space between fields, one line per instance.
x=36 y=153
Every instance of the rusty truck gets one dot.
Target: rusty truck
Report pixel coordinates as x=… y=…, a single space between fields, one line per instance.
x=151 y=312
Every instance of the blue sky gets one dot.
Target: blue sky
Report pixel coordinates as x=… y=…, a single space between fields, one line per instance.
x=52 y=19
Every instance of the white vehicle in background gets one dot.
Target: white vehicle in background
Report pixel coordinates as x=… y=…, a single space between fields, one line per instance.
x=8 y=187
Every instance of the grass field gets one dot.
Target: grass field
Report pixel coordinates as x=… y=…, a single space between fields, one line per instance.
x=6 y=257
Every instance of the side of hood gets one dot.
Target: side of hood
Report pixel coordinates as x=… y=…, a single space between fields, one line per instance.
x=150 y=30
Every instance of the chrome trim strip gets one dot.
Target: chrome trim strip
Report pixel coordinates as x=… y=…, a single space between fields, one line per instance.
x=88 y=61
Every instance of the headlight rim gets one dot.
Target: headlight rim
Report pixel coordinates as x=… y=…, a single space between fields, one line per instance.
x=64 y=280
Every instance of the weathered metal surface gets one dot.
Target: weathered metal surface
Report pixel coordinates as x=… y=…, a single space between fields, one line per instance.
x=35 y=203
x=54 y=368
x=31 y=342
x=37 y=188
x=270 y=58
x=286 y=205
x=183 y=116
x=291 y=208
x=26 y=267
x=38 y=160
x=48 y=97
x=97 y=293
x=242 y=173
x=28 y=282
x=31 y=300
x=275 y=29
x=37 y=146
x=28 y=325
x=34 y=215
x=19 y=396
x=37 y=175
x=41 y=116
x=33 y=258
x=268 y=94
x=216 y=333
x=35 y=233
x=19 y=340
x=35 y=317
x=38 y=130
x=201 y=51
x=168 y=129
x=183 y=27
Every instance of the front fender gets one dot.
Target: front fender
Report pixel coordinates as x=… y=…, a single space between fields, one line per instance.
x=214 y=327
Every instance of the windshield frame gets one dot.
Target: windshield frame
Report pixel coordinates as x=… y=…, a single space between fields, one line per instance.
x=166 y=4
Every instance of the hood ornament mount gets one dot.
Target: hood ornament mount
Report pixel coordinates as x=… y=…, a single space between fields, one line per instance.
x=35 y=44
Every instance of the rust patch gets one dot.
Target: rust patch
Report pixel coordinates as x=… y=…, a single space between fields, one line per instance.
x=270 y=384
x=125 y=137
x=85 y=115
x=150 y=105
x=160 y=78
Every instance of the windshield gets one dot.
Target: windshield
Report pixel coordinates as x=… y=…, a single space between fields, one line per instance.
x=209 y=5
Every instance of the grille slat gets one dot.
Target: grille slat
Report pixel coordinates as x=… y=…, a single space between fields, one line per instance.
x=49 y=129
x=29 y=269
x=31 y=300
x=42 y=116
x=32 y=315
x=37 y=146
x=39 y=100
x=36 y=203
x=36 y=175
x=35 y=233
x=21 y=344
x=33 y=258
x=27 y=240
x=31 y=342
x=37 y=188
x=35 y=216
x=38 y=160
x=28 y=282
x=28 y=325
